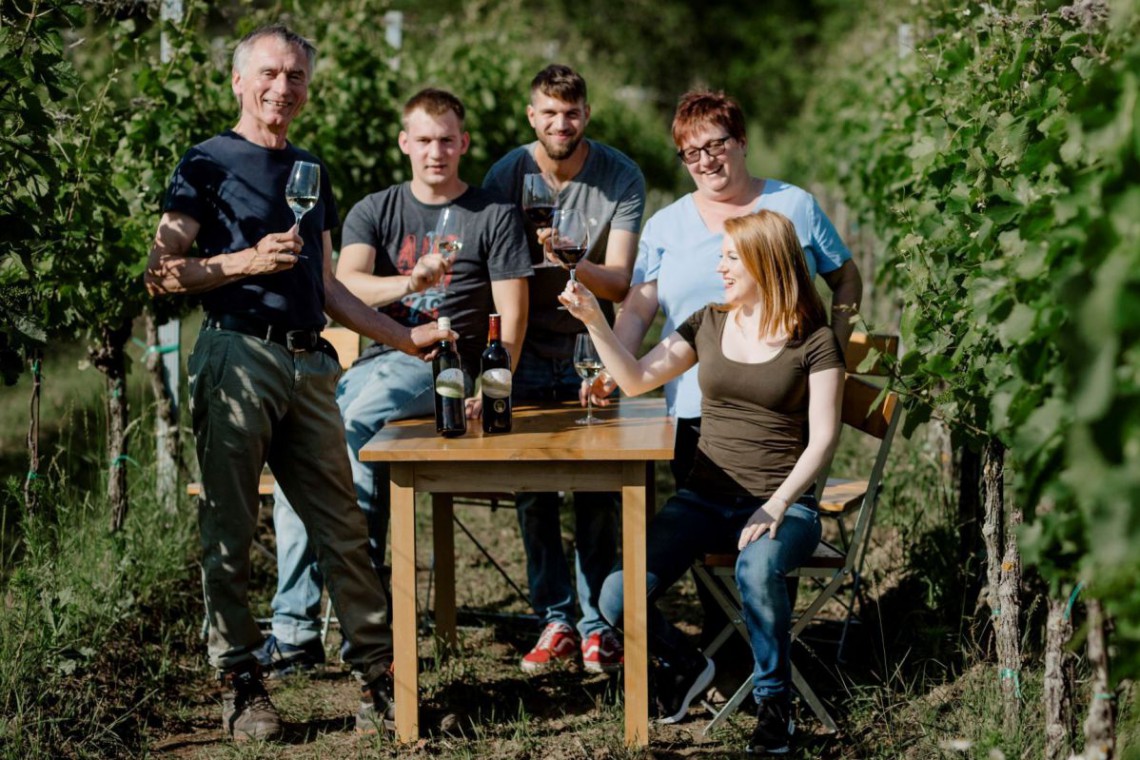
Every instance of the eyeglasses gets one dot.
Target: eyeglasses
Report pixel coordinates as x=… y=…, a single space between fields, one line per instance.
x=713 y=147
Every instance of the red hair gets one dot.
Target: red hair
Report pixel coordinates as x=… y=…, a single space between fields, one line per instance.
x=699 y=109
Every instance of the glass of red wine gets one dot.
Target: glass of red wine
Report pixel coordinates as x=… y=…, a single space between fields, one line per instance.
x=569 y=237
x=538 y=202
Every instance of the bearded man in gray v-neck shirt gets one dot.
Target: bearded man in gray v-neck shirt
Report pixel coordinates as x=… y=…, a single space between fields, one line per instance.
x=609 y=189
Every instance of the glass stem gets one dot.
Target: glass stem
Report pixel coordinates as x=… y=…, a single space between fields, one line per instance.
x=574 y=274
x=589 y=400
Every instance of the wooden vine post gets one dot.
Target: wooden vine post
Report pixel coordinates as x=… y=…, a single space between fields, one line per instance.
x=1100 y=725
x=31 y=492
x=1003 y=566
x=1057 y=682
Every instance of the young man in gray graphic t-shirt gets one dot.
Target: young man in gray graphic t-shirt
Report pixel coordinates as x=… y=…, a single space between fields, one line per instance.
x=387 y=262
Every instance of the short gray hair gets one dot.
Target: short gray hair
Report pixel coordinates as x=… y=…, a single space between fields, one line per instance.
x=281 y=32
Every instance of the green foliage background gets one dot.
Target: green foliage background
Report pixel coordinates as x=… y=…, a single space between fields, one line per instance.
x=997 y=163
x=995 y=158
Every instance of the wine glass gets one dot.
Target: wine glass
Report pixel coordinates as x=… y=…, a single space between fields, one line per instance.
x=448 y=239
x=538 y=203
x=569 y=239
x=587 y=364
x=302 y=189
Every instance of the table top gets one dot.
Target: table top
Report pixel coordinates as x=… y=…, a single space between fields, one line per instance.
x=629 y=429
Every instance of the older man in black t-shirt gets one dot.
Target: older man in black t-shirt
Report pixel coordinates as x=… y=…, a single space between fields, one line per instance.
x=261 y=378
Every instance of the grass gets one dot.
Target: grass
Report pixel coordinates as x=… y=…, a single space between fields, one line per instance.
x=100 y=655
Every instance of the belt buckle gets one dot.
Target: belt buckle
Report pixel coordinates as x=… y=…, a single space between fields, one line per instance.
x=300 y=340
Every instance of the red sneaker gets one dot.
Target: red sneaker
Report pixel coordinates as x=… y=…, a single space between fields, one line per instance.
x=602 y=652
x=557 y=642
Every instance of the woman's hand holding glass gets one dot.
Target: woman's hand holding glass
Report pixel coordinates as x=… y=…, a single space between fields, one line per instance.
x=581 y=303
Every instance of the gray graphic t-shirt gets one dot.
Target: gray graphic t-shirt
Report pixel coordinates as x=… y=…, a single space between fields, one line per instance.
x=610 y=191
x=494 y=248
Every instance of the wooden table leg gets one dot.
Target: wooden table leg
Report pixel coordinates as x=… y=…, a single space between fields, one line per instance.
x=443 y=544
x=633 y=523
x=403 y=520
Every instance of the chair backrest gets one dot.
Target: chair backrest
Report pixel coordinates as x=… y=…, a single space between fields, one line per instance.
x=345 y=341
x=875 y=412
x=859 y=347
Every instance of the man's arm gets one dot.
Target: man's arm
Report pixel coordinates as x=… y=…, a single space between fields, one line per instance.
x=350 y=311
x=512 y=302
x=171 y=270
x=610 y=279
x=357 y=264
x=846 y=294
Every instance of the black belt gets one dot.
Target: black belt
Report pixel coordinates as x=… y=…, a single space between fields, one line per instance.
x=294 y=340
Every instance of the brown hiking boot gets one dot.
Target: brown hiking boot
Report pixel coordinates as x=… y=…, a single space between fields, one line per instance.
x=247 y=713
x=377 y=714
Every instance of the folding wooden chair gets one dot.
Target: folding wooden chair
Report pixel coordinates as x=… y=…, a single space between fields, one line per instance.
x=839 y=497
x=873 y=412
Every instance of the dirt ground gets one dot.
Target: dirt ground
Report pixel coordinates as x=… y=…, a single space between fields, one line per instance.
x=500 y=711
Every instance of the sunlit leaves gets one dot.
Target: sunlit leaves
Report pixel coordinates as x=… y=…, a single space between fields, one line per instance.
x=999 y=166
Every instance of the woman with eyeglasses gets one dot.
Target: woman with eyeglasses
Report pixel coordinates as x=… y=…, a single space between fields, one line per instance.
x=677 y=256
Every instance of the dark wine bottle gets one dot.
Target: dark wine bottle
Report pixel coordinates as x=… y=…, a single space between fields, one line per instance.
x=495 y=378
x=450 y=419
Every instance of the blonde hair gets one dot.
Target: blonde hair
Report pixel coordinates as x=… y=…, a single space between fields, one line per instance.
x=435 y=103
x=770 y=251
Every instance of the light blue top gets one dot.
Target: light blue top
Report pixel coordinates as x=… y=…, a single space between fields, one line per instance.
x=679 y=252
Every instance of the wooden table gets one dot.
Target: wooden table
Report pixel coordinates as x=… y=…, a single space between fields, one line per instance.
x=546 y=451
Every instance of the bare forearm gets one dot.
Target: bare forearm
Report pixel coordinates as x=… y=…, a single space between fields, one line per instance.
x=350 y=311
x=846 y=296
x=619 y=361
x=608 y=282
x=376 y=291
x=806 y=470
x=170 y=270
x=513 y=342
x=173 y=275
x=630 y=327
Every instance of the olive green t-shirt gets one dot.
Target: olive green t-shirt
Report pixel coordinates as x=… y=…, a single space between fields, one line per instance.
x=753 y=416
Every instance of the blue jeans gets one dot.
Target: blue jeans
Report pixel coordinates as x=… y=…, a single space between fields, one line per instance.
x=383 y=389
x=595 y=518
x=691 y=525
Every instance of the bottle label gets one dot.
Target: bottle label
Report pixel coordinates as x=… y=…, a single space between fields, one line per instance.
x=449 y=383
x=496 y=382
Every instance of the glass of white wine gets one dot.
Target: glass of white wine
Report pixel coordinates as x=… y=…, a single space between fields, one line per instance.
x=302 y=189
x=587 y=363
x=448 y=237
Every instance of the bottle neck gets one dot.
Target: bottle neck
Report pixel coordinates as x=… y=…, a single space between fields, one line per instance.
x=494 y=329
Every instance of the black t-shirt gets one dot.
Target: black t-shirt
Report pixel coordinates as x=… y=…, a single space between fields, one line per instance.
x=494 y=248
x=235 y=190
